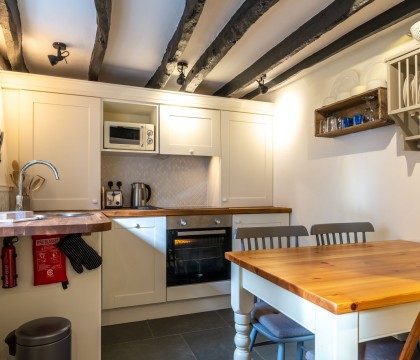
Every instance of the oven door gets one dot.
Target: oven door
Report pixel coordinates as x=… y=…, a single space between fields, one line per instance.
x=197 y=255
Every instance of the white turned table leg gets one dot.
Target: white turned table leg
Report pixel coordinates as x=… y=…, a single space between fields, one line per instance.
x=242 y=340
x=242 y=303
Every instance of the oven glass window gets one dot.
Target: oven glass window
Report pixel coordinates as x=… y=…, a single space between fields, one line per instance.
x=195 y=259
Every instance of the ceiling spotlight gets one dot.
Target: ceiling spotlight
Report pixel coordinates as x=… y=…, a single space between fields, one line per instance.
x=181 y=78
x=62 y=53
x=260 y=81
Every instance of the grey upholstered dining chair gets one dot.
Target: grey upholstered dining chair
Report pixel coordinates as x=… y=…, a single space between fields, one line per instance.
x=388 y=348
x=341 y=233
x=266 y=320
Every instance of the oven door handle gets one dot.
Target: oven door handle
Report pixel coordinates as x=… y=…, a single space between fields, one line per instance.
x=201 y=232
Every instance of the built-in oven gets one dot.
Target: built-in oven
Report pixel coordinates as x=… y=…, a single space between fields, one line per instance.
x=196 y=247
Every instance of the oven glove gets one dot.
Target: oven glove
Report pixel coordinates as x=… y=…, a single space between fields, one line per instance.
x=79 y=253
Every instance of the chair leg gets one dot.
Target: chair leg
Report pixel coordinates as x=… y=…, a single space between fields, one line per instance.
x=299 y=350
x=253 y=336
x=280 y=352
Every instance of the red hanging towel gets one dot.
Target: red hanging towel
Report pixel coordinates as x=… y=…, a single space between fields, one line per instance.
x=49 y=262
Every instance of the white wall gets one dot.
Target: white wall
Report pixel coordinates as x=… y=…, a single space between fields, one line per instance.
x=359 y=177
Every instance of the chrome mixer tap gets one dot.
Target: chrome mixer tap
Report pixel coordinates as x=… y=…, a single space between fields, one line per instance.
x=19 y=196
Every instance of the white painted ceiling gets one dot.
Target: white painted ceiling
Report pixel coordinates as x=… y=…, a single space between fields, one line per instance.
x=141 y=29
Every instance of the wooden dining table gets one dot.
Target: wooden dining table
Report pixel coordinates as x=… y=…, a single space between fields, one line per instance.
x=344 y=294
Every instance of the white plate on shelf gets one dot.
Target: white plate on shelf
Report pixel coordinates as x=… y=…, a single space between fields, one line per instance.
x=413 y=87
x=377 y=71
x=418 y=93
x=406 y=90
x=345 y=82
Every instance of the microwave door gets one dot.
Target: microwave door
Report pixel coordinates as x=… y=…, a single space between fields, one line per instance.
x=124 y=135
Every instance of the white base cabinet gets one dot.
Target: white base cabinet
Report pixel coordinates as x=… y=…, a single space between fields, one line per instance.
x=246 y=163
x=134 y=262
x=65 y=131
x=256 y=220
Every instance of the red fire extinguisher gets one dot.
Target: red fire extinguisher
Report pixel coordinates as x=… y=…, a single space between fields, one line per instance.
x=8 y=262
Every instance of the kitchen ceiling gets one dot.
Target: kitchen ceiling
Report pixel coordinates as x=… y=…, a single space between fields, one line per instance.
x=140 y=31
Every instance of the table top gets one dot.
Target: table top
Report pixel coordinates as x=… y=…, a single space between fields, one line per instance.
x=342 y=278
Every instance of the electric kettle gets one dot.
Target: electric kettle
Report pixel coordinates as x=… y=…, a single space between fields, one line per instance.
x=140 y=194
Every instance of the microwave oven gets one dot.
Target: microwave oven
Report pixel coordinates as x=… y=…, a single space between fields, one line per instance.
x=129 y=136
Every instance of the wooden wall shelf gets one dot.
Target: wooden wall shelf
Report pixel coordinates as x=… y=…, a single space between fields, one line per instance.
x=351 y=106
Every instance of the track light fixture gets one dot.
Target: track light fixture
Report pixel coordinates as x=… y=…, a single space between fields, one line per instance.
x=260 y=81
x=62 y=53
x=181 y=78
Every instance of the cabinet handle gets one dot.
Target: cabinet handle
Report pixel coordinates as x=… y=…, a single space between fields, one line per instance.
x=137 y=226
x=191 y=151
x=94 y=201
x=224 y=200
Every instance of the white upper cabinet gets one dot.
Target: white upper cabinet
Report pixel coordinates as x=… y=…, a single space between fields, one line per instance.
x=65 y=131
x=246 y=163
x=189 y=131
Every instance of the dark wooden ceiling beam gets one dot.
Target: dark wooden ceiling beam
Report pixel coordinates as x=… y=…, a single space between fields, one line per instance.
x=249 y=12
x=334 y=14
x=388 y=18
x=12 y=32
x=4 y=63
x=103 y=20
x=178 y=43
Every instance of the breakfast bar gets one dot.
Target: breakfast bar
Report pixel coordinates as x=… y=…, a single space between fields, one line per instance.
x=345 y=294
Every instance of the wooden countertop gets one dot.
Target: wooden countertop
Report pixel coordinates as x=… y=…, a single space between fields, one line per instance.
x=128 y=212
x=341 y=278
x=60 y=225
x=100 y=221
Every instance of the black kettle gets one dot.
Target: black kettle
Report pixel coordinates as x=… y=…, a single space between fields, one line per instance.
x=140 y=194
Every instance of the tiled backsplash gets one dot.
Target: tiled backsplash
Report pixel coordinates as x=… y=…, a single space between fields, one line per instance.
x=174 y=180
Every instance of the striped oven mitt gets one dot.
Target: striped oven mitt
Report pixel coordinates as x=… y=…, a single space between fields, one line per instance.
x=79 y=252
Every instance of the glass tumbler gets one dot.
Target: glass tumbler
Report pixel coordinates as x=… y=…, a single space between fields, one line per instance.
x=331 y=123
x=322 y=126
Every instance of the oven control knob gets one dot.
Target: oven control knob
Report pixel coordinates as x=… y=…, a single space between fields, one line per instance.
x=217 y=221
x=182 y=222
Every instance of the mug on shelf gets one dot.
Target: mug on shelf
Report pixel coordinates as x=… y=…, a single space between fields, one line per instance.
x=346 y=122
x=358 y=119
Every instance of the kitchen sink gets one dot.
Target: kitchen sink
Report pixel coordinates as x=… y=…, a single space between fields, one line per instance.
x=19 y=216
x=61 y=214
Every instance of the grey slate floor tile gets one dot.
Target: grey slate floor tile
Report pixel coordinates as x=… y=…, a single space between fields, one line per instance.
x=212 y=344
x=186 y=323
x=163 y=348
x=202 y=336
x=115 y=334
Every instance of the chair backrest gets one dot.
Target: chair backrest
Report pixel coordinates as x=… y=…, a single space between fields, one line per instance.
x=270 y=237
x=341 y=233
x=412 y=340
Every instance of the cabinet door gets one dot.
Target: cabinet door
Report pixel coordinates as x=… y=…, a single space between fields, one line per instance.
x=189 y=131
x=255 y=220
x=64 y=130
x=134 y=267
x=246 y=164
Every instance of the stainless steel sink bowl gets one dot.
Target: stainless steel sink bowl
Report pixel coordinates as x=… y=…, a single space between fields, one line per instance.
x=61 y=215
